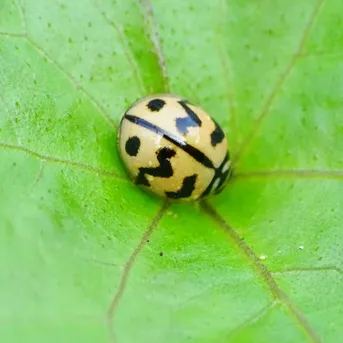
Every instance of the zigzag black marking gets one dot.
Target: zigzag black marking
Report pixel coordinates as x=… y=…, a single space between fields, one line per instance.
x=164 y=170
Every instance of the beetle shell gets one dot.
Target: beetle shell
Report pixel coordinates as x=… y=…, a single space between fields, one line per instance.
x=173 y=148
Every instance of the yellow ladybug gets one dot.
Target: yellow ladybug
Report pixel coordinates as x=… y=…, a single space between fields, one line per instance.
x=173 y=148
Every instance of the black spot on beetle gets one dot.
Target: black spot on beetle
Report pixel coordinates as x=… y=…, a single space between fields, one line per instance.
x=156 y=105
x=217 y=135
x=186 y=189
x=132 y=145
x=163 y=170
x=192 y=119
x=161 y=253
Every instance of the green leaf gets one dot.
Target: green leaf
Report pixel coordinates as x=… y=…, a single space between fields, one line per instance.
x=86 y=256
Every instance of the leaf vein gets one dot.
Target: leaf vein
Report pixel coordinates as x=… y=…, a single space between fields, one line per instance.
x=57 y=160
x=280 y=82
x=253 y=319
x=127 y=50
x=156 y=41
x=265 y=275
x=128 y=267
x=292 y=174
x=76 y=84
x=331 y=268
x=22 y=17
x=10 y=34
x=38 y=177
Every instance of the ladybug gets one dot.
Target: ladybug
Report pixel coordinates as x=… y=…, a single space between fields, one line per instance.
x=173 y=148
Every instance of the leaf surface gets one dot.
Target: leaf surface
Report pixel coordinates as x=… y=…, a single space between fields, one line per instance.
x=85 y=256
